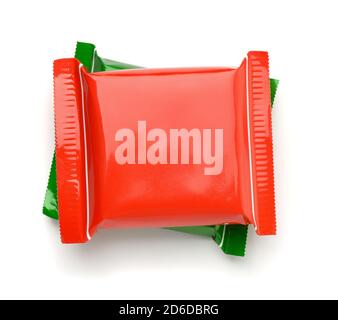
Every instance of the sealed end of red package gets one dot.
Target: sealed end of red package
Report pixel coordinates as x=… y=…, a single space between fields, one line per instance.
x=163 y=147
x=71 y=151
x=260 y=143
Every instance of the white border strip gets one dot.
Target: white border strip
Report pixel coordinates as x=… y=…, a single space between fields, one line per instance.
x=85 y=152
x=249 y=143
x=223 y=236
x=93 y=61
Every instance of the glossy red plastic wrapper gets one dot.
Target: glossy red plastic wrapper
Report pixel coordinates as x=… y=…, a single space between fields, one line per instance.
x=163 y=147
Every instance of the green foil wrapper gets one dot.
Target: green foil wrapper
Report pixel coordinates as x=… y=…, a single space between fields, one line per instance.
x=231 y=238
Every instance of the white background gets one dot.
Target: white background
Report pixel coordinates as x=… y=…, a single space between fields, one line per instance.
x=301 y=37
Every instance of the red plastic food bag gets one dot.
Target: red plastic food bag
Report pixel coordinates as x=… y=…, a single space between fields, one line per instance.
x=163 y=147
